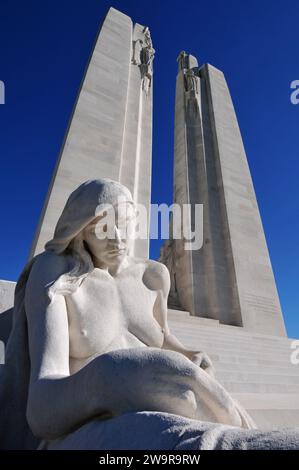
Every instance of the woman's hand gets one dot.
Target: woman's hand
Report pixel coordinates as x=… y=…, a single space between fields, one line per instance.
x=202 y=360
x=199 y=358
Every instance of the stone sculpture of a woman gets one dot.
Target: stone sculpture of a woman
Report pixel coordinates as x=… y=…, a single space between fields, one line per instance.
x=91 y=353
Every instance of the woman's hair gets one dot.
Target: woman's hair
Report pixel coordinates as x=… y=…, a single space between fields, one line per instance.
x=80 y=265
x=81 y=209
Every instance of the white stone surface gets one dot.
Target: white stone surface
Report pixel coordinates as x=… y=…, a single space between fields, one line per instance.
x=110 y=130
x=255 y=368
x=230 y=278
x=7 y=289
x=103 y=346
x=99 y=341
x=165 y=431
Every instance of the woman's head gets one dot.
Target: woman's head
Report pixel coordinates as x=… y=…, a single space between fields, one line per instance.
x=109 y=236
x=86 y=205
x=97 y=221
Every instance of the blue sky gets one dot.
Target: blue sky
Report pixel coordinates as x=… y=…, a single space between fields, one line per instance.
x=44 y=48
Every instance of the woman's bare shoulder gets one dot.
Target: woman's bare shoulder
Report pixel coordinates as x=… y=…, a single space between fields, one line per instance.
x=47 y=268
x=156 y=275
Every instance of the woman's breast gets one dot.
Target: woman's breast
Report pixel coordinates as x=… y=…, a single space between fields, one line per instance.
x=103 y=317
x=91 y=328
x=87 y=344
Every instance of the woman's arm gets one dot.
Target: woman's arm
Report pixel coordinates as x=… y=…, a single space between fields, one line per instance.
x=171 y=342
x=111 y=384
x=57 y=402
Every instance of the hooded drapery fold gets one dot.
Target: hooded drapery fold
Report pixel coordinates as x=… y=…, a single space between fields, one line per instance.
x=14 y=376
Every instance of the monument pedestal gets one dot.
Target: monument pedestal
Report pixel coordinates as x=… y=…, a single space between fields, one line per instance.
x=7 y=289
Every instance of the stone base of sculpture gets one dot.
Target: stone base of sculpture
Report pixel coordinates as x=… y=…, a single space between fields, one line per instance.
x=152 y=430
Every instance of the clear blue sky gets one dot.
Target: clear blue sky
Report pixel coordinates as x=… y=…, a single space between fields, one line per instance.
x=44 y=48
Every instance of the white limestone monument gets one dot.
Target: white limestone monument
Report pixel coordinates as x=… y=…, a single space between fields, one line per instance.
x=96 y=359
x=110 y=130
x=227 y=286
x=230 y=278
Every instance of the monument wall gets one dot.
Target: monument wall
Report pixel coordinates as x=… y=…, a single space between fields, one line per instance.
x=110 y=131
x=230 y=278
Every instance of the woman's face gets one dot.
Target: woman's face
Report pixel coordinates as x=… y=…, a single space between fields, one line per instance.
x=110 y=235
